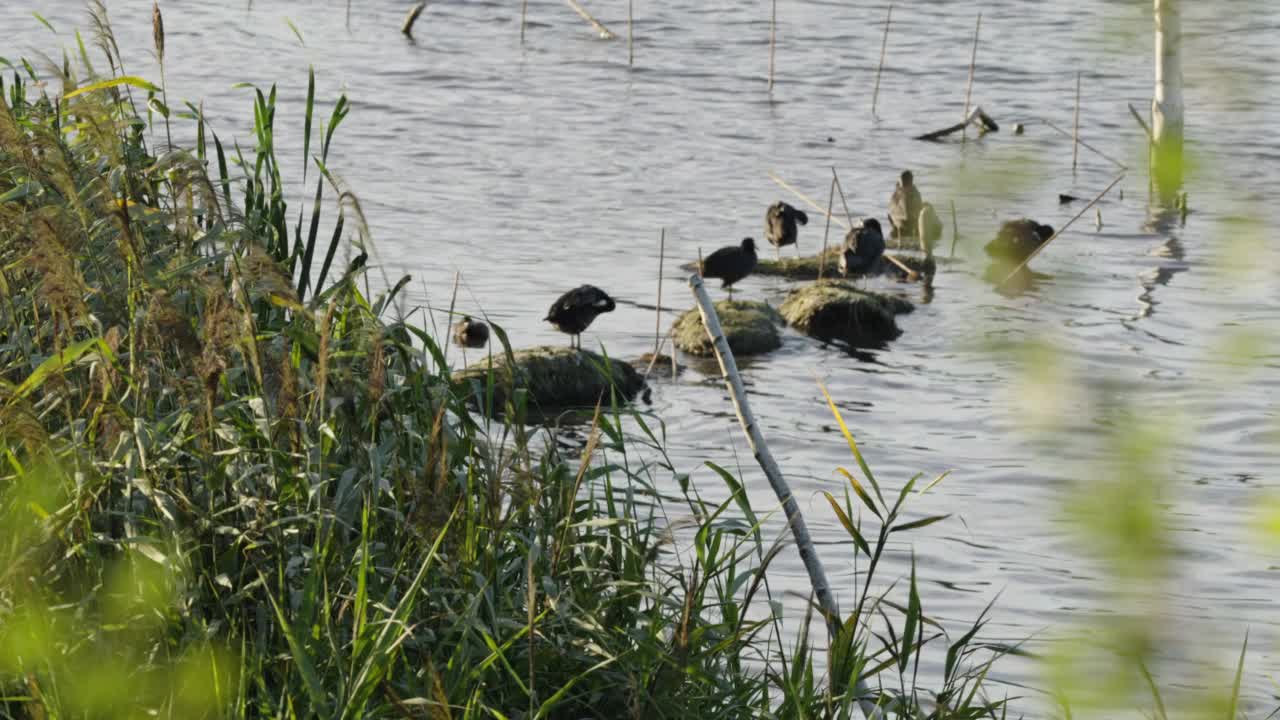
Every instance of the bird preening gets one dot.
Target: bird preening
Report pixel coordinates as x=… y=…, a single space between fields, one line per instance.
x=574 y=311
x=780 y=225
x=730 y=263
x=863 y=246
x=470 y=333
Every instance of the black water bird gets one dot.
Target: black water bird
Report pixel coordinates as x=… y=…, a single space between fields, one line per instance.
x=470 y=333
x=904 y=207
x=780 y=224
x=1017 y=239
x=731 y=263
x=573 y=311
x=863 y=246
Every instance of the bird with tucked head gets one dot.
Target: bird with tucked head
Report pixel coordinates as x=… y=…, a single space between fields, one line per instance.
x=780 y=225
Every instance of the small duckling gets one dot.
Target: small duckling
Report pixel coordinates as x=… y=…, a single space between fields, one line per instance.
x=469 y=333
x=904 y=207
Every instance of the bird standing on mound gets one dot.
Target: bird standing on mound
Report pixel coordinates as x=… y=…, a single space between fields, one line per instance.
x=469 y=333
x=780 y=225
x=904 y=207
x=1017 y=239
x=575 y=310
x=863 y=246
x=730 y=263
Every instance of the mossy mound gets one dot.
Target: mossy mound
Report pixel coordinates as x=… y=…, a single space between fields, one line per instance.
x=554 y=378
x=834 y=310
x=750 y=327
x=806 y=268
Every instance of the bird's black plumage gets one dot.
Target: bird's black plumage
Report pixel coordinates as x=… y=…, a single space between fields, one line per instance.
x=1017 y=239
x=904 y=207
x=573 y=311
x=780 y=224
x=470 y=333
x=731 y=263
x=863 y=246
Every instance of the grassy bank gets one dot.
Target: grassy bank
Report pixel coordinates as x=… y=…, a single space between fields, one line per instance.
x=235 y=483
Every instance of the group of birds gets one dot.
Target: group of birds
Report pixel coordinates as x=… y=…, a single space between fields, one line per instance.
x=910 y=217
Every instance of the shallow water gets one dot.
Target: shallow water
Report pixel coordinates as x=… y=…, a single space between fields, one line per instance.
x=534 y=168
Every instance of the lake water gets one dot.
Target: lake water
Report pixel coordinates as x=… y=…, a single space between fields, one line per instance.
x=531 y=169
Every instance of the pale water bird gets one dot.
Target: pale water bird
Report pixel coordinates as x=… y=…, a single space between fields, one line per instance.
x=731 y=263
x=470 y=333
x=1017 y=239
x=780 y=225
x=929 y=227
x=904 y=207
x=863 y=246
x=573 y=311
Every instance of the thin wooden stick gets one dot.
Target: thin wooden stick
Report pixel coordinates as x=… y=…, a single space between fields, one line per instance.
x=839 y=189
x=822 y=259
x=631 y=49
x=1061 y=230
x=411 y=18
x=773 y=41
x=524 y=17
x=760 y=449
x=973 y=66
x=955 y=228
x=1142 y=123
x=605 y=32
x=884 y=46
x=348 y=14
x=657 y=325
x=1075 y=146
x=1087 y=146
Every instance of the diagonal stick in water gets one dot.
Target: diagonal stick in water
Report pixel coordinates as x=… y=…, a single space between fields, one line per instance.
x=884 y=45
x=1087 y=146
x=605 y=32
x=1061 y=230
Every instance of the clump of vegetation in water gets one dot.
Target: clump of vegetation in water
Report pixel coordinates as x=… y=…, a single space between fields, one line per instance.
x=750 y=327
x=551 y=379
x=834 y=310
x=234 y=486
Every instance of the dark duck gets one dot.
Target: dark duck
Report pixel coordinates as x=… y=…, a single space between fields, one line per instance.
x=780 y=225
x=470 y=333
x=573 y=311
x=1017 y=239
x=863 y=247
x=904 y=207
x=731 y=263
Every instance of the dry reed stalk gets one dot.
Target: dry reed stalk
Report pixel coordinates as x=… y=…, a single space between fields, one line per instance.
x=448 y=335
x=157 y=38
x=605 y=32
x=631 y=48
x=657 y=323
x=955 y=228
x=884 y=46
x=1061 y=230
x=524 y=16
x=411 y=18
x=1086 y=146
x=973 y=66
x=822 y=259
x=773 y=41
x=1075 y=146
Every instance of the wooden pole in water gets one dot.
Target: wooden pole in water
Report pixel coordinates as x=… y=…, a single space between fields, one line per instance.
x=1061 y=230
x=524 y=15
x=884 y=46
x=1166 y=106
x=773 y=41
x=657 y=324
x=822 y=259
x=631 y=49
x=411 y=18
x=760 y=449
x=973 y=66
x=1075 y=144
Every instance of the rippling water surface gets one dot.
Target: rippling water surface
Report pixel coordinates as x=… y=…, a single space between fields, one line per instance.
x=533 y=168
